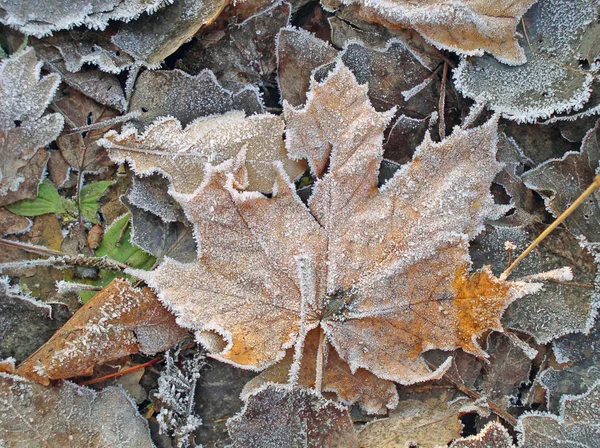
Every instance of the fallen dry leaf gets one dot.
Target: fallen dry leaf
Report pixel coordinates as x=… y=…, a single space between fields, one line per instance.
x=276 y=416
x=23 y=130
x=182 y=154
x=67 y=415
x=383 y=272
x=494 y=435
x=120 y=320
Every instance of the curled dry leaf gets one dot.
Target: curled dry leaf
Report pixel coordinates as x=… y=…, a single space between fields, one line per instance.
x=68 y=415
x=576 y=426
x=182 y=154
x=23 y=130
x=494 y=435
x=383 y=272
x=294 y=417
x=118 y=321
x=468 y=27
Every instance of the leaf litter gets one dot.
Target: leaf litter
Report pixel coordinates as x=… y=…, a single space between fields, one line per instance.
x=313 y=277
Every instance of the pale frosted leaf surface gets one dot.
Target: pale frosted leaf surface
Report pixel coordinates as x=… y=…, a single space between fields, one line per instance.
x=173 y=93
x=150 y=194
x=493 y=435
x=562 y=181
x=69 y=416
x=24 y=95
x=183 y=153
x=118 y=321
x=428 y=419
x=559 y=33
x=373 y=395
x=41 y=19
x=276 y=416
x=576 y=426
x=470 y=27
x=152 y=38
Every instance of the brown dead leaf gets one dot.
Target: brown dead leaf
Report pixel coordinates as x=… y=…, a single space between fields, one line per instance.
x=120 y=320
x=383 y=272
x=470 y=27
x=494 y=435
x=182 y=154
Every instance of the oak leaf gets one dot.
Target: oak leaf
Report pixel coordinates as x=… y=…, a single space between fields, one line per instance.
x=383 y=272
x=118 y=321
x=182 y=154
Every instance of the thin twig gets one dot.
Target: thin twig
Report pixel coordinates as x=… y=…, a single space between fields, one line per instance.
x=442 y=103
x=105 y=123
x=320 y=366
x=122 y=372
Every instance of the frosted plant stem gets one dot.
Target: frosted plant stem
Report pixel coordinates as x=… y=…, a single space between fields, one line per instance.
x=564 y=215
x=442 y=103
x=320 y=364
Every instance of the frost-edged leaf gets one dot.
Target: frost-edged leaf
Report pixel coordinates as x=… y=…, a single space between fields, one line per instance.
x=48 y=201
x=562 y=181
x=577 y=424
x=357 y=262
x=25 y=323
x=276 y=416
x=557 y=35
x=150 y=194
x=428 y=420
x=66 y=414
x=468 y=27
x=182 y=154
x=173 y=93
x=118 y=321
x=41 y=19
x=24 y=96
x=152 y=38
x=493 y=435
x=243 y=53
x=12 y=223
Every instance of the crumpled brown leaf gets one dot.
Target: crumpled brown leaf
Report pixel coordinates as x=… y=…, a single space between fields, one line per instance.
x=469 y=27
x=23 y=130
x=68 y=415
x=120 y=320
x=357 y=262
x=182 y=154
x=494 y=435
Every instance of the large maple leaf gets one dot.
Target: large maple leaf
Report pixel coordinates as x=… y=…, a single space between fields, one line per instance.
x=382 y=273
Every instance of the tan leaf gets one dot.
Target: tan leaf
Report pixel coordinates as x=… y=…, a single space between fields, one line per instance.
x=119 y=321
x=494 y=435
x=182 y=154
x=469 y=27
x=68 y=415
x=382 y=271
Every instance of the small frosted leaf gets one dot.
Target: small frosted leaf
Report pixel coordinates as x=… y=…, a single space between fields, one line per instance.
x=183 y=153
x=66 y=414
x=577 y=424
x=556 y=36
x=493 y=435
x=276 y=416
x=24 y=96
x=468 y=28
x=118 y=321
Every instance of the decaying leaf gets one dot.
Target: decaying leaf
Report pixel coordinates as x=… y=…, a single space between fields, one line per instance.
x=469 y=27
x=357 y=262
x=577 y=425
x=32 y=17
x=557 y=36
x=494 y=435
x=68 y=415
x=182 y=154
x=24 y=96
x=276 y=416
x=118 y=321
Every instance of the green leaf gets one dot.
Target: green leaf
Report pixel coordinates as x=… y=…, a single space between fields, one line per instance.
x=47 y=201
x=90 y=194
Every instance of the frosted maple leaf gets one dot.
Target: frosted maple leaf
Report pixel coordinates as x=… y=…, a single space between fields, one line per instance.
x=381 y=273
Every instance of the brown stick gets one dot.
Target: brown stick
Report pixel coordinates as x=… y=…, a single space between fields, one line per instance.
x=442 y=103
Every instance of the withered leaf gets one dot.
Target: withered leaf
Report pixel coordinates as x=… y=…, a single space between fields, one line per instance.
x=357 y=262
x=182 y=154
x=276 y=416
x=577 y=424
x=494 y=435
x=23 y=130
x=118 y=321
x=68 y=415
x=468 y=27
